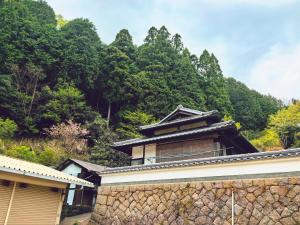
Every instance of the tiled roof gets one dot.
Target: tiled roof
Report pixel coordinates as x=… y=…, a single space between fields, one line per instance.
x=212 y=127
x=17 y=166
x=89 y=166
x=182 y=109
x=208 y=161
x=202 y=115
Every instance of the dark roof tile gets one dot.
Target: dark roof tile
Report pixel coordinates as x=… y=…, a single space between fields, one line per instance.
x=208 y=161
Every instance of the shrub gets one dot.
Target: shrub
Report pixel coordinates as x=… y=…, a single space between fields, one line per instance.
x=7 y=128
x=49 y=157
x=22 y=152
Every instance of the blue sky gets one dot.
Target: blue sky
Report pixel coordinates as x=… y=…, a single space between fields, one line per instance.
x=256 y=41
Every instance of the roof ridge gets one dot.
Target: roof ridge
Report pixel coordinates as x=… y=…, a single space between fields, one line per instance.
x=204 y=114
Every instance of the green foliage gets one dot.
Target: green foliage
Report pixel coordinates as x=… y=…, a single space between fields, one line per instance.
x=53 y=70
x=67 y=102
x=166 y=76
x=101 y=152
x=268 y=140
x=7 y=128
x=22 y=152
x=214 y=84
x=283 y=129
x=131 y=121
x=49 y=157
x=250 y=108
x=286 y=123
x=42 y=11
x=81 y=53
x=229 y=118
x=61 y=21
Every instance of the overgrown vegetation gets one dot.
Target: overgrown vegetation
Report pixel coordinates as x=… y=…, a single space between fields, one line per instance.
x=53 y=71
x=283 y=129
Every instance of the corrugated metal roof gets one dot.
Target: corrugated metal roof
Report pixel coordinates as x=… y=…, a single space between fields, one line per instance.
x=181 y=120
x=212 y=127
x=17 y=166
x=208 y=161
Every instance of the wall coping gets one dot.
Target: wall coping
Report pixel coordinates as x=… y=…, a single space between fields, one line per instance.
x=207 y=161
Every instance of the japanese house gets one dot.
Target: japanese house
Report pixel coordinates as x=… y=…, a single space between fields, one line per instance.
x=31 y=193
x=185 y=134
x=80 y=199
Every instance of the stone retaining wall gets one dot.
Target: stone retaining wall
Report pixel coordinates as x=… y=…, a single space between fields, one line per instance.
x=260 y=201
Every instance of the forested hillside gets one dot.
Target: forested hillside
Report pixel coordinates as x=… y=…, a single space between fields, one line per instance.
x=57 y=76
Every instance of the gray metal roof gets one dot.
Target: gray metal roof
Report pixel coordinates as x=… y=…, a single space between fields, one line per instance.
x=17 y=166
x=89 y=166
x=208 y=161
x=181 y=120
x=212 y=127
x=182 y=109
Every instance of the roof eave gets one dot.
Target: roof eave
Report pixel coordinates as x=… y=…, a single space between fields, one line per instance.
x=228 y=126
x=87 y=184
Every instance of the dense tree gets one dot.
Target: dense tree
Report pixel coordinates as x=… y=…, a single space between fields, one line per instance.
x=250 y=108
x=214 y=84
x=102 y=137
x=114 y=75
x=165 y=73
x=130 y=122
x=286 y=123
x=81 y=53
x=65 y=103
x=283 y=129
x=42 y=11
x=124 y=43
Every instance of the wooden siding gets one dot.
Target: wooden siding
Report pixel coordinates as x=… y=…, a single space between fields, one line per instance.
x=5 y=195
x=181 y=128
x=193 y=125
x=34 y=205
x=194 y=147
x=166 y=131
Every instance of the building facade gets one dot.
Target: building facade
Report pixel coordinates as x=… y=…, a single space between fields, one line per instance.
x=185 y=134
x=193 y=168
x=32 y=194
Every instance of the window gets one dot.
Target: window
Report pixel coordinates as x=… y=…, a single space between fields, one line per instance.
x=135 y=162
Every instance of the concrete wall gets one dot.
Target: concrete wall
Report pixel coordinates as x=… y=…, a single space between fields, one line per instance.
x=249 y=201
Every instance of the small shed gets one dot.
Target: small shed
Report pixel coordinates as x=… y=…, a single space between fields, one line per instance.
x=32 y=194
x=80 y=200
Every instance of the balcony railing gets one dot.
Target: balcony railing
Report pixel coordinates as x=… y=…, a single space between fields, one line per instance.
x=180 y=156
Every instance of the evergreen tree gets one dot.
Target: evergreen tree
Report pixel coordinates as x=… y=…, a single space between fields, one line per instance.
x=82 y=53
x=113 y=78
x=123 y=42
x=214 y=84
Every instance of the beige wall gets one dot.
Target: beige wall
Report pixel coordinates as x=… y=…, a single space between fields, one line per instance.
x=137 y=152
x=39 y=202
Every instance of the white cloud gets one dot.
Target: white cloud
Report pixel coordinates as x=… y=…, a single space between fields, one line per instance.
x=278 y=72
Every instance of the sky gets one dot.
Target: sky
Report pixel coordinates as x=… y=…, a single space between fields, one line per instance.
x=256 y=41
